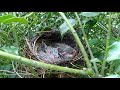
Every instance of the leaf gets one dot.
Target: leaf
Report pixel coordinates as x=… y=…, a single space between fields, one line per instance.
x=85 y=20
x=4 y=35
x=95 y=60
x=6 y=67
x=113 y=51
x=10 y=49
x=113 y=76
x=12 y=76
x=91 y=23
x=90 y=14
x=4 y=17
x=94 y=41
x=15 y=19
x=64 y=27
x=117 y=69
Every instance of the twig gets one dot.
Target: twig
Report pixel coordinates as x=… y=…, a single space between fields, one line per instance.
x=39 y=64
x=89 y=49
x=16 y=71
x=77 y=40
x=107 y=44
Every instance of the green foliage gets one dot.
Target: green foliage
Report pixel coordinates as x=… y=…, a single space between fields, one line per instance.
x=90 y=14
x=14 y=26
x=15 y=19
x=114 y=52
x=5 y=17
x=5 y=67
x=10 y=49
x=95 y=60
x=113 y=76
x=64 y=28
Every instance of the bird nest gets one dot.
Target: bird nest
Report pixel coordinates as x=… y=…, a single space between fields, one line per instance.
x=50 y=47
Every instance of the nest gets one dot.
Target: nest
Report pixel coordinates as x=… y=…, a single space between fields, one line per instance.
x=51 y=42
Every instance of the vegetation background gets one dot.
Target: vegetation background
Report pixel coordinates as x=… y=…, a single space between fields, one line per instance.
x=99 y=31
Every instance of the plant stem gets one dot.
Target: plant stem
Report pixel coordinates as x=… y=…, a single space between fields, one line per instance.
x=15 y=32
x=77 y=40
x=111 y=67
x=85 y=37
x=28 y=15
x=107 y=44
x=15 y=35
x=16 y=71
x=39 y=64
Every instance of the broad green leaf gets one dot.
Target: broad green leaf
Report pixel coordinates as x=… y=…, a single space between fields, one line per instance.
x=113 y=76
x=64 y=27
x=94 y=41
x=90 y=14
x=95 y=60
x=85 y=20
x=117 y=69
x=6 y=67
x=11 y=49
x=4 y=17
x=91 y=23
x=114 y=52
x=15 y=19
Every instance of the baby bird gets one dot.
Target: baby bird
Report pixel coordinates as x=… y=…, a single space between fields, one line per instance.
x=56 y=53
x=66 y=52
x=48 y=53
x=42 y=47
